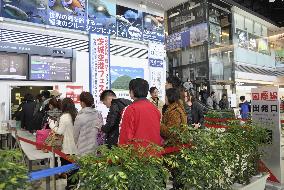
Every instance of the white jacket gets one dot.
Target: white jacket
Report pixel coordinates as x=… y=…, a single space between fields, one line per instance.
x=65 y=127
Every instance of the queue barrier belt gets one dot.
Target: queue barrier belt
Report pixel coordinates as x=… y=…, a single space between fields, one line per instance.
x=62 y=169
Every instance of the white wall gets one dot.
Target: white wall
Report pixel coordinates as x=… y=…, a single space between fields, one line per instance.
x=82 y=79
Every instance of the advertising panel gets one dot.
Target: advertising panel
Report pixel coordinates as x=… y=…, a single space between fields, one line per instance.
x=263 y=46
x=99 y=65
x=74 y=92
x=266 y=112
x=120 y=78
x=153 y=28
x=279 y=57
x=242 y=38
x=25 y=10
x=173 y=41
x=67 y=14
x=198 y=34
x=102 y=17
x=129 y=23
x=252 y=42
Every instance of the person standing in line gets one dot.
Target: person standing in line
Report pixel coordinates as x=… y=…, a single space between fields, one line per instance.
x=154 y=99
x=224 y=103
x=87 y=125
x=45 y=100
x=211 y=101
x=172 y=82
x=196 y=115
x=244 y=108
x=175 y=115
x=27 y=113
x=65 y=127
x=54 y=111
x=116 y=106
x=140 y=123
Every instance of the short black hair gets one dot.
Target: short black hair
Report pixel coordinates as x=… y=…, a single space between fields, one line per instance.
x=29 y=97
x=45 y=94
x=107 y=93
x=242 y=98
x=87 y=98
x=173 y=95
x=224 y=95
x=152 y=89
x=212 y=93
x=139 y=87
x=175 y=81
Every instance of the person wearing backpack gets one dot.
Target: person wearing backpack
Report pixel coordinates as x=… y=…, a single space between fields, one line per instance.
x=116 y=106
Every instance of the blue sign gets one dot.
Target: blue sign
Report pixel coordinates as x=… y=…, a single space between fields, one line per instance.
x=156 y=62
x=173 y=41
x=102 y=17
x=65 y=14
x=153 y=28
x=25 y=10
x=129 y=23
x=185 y=38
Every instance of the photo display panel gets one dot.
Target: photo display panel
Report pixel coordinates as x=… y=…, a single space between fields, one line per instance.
x=50 y=68
x=13 y=66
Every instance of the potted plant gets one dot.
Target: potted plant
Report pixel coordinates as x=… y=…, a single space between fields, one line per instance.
x=122 y=168
x=218 y=160
x=13 y=171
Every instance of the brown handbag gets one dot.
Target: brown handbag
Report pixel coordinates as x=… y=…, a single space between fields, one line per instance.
x=54 y=140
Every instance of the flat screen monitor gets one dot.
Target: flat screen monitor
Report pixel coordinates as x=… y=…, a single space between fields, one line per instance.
x=50 y=68
x=13 y=66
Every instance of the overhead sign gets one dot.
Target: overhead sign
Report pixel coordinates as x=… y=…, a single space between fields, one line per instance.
x=266 y=112
x=99 y=65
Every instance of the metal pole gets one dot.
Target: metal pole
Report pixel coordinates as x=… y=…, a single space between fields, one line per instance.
x=53 y=165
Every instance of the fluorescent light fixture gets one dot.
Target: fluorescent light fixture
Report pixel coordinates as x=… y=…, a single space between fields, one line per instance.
x=142 y=5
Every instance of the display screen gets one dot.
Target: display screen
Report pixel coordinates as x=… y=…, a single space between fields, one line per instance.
x=50 y=68
x=13 y=66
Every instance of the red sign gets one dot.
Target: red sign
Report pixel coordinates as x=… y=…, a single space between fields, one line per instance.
x=74 y=92
x=265 y=95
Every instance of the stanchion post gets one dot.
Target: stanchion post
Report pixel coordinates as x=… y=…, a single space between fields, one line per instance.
x=53 y=165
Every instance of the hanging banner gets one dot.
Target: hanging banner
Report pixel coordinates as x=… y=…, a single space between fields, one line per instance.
x=266 y=112
x=156 y=58
x=74 y=92
x=153 y=28
x=129 y=23
x=99 y=65
x=67 y=14
x=27 y=10
x=102 y=17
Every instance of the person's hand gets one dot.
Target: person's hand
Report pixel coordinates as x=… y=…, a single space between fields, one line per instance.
x=196 y=125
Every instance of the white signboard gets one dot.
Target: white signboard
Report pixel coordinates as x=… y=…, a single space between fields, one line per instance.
x=99 y=65
x=266 y=112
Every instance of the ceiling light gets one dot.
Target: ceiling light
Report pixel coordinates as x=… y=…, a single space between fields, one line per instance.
x=142 y=5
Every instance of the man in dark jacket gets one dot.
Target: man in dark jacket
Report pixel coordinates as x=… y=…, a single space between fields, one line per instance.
x=116 y=106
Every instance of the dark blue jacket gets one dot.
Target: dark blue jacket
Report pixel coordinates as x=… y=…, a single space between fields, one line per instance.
x=245 y=110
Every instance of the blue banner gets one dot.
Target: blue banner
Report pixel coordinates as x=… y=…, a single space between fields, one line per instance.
x=71 y=14
x=25 y=10
x=102 y=17
x=153 y=28
x=129 y=23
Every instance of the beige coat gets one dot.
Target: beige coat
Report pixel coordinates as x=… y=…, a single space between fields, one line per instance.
x=159 y=104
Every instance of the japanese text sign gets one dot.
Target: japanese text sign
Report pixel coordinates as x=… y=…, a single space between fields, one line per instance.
x=99 y=65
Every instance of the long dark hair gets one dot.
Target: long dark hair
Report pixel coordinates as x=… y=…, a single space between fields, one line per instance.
x=68 y=106
x=55 y=103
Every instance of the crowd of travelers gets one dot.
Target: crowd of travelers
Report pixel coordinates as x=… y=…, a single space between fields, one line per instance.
x=146 y=120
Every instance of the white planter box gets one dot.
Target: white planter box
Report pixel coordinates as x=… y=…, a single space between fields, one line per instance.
x=257 y=183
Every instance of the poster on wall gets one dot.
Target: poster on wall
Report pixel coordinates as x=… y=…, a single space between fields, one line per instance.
x=198 y=34
x=156 y=58
x=242 y=38
x=120 y=78
x=25 y=10
x=129 y=23
x=153 y=28
x=263 y=46
x=173 y=41
x=252 y=42
x=67 y=14
x=266 y=113
x=215 y=33
x=74 y=92
x=99 y=65
x=279 y=57
x=102 y=17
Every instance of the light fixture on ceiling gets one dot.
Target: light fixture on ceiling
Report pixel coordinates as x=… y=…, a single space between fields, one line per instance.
x=142 y=5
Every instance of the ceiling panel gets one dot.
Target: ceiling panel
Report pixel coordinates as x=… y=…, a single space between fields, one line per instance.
x=160 y=4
